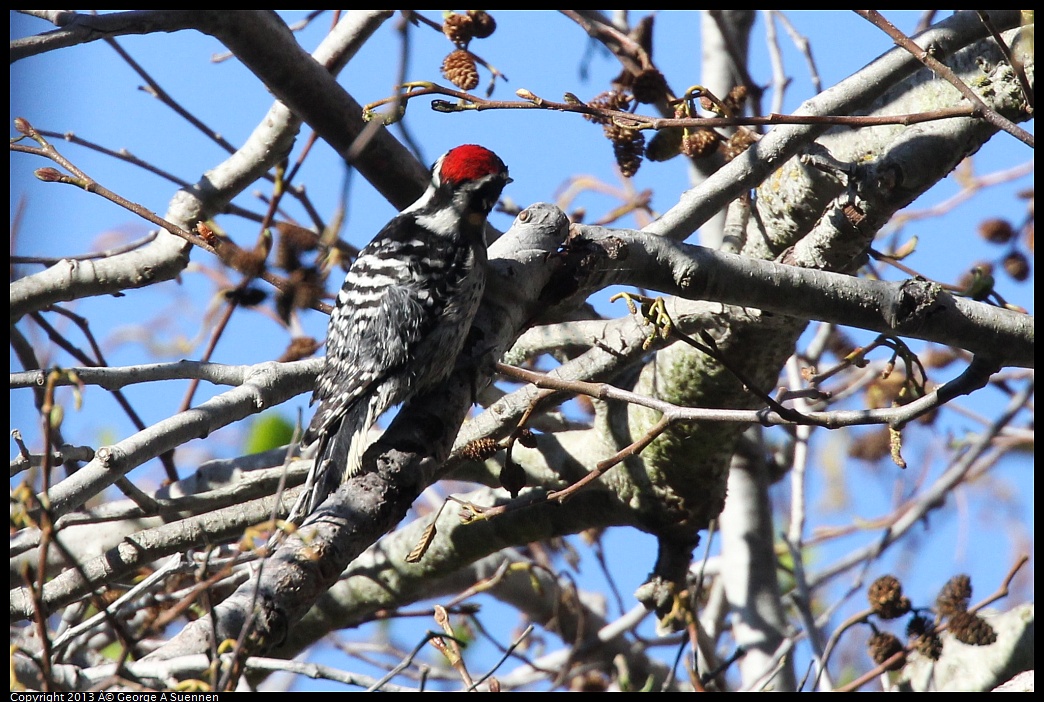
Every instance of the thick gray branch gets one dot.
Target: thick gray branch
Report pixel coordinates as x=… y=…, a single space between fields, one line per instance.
x=913 y=308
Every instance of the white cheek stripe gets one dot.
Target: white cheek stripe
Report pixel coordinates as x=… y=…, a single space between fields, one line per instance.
x=443 y=222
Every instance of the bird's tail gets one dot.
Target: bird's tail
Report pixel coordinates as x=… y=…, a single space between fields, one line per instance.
x=338 y=457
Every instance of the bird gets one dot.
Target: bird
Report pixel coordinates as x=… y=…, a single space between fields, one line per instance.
x=402 y=313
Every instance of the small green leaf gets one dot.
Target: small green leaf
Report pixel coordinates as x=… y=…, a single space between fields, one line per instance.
x=268 y=431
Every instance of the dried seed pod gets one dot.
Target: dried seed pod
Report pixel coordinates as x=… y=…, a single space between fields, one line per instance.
x=972 y=629
x=249 y=262
x=735 y=99
x=928 y=645
x=954 y=596
x=293 y=241
x=938 y=357
x=699 y=142
x=628 y=148
x=665 y=144
x=871 y=446
x=739 y=142
x=482 y=23
x=886 y=597
x=459 y=29
x=918 y=625
x=459 y=68
x=611 y=100
x=649 y=86
x=883 y=646
x=997 y=231
x=1017 y=266
x=304 y=289
x=250 y=296
x=300 y=347
x=527 y=438
x=480 y=449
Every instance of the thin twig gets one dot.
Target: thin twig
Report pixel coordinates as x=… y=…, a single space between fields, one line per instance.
x=82 y=180
x=107 y=253
x=467 y=102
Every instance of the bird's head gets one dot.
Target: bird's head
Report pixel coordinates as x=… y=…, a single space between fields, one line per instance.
x=473 y=175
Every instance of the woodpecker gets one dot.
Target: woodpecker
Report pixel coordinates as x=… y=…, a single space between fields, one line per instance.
x=402 y=313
